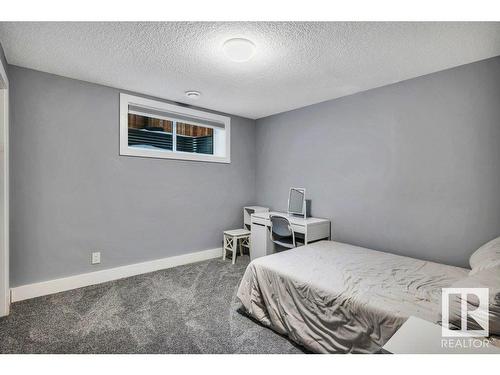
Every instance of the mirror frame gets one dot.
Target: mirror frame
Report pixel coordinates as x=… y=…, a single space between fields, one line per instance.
x=303 y=191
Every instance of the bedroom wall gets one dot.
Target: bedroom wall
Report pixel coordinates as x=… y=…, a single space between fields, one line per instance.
x=411 y=168
x=72 y=193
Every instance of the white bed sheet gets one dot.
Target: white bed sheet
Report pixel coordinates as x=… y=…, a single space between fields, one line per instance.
x=334 y=297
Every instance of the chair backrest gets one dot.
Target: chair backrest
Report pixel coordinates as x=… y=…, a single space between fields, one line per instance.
x=280 y=227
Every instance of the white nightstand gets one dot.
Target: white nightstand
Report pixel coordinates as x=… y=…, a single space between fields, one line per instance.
x=247 y=214
x=418 y=336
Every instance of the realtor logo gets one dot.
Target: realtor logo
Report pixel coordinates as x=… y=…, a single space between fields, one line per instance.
x=467 y=311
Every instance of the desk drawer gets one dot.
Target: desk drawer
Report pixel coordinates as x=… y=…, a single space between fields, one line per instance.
x=298 y=228
x=267 y=223
x=261 y=221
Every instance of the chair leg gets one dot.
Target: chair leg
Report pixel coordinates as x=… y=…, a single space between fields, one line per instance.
x=241 y=247
x=245 y=242
x=235 y=249
x=224 y=248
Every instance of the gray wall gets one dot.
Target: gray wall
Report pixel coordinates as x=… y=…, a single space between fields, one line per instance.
x=72 y=193
x=412 y=168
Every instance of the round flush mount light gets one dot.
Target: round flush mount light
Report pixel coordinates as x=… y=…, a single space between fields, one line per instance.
x=239 y=49
x=193 y=94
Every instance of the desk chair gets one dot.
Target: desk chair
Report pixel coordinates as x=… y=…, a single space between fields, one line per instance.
x=282 y=233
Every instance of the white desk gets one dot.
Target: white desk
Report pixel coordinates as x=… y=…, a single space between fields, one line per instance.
x=312 y=228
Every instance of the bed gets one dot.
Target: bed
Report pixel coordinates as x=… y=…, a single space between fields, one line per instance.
x=331 y=297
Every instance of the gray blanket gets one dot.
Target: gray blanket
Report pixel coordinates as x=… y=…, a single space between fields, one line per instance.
x=334 y=297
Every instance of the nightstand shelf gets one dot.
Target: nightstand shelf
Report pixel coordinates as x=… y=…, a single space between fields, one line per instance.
x=418 y=336
x=247 y=214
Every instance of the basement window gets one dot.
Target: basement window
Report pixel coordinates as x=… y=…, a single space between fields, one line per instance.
x=154 y=129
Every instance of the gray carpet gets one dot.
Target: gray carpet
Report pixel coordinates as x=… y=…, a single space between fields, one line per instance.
x=187 y=309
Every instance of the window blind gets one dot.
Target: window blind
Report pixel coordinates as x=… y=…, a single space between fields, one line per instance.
x=173 y=116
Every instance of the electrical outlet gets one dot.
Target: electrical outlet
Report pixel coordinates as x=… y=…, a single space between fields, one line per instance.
x=96 y=257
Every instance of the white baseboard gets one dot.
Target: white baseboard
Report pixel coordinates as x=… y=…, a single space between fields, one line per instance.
x=43 y=288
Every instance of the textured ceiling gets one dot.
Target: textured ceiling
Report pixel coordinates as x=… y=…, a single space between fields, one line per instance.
x=296 y=64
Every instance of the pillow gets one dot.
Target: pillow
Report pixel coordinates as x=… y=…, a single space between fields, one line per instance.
x=486 y=256
x=488 y=278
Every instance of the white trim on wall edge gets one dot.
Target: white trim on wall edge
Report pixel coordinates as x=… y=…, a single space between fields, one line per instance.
x=4 y=249
x=44 y=288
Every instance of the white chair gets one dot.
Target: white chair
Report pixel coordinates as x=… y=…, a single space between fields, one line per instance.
x=282 y=233
x=233 y=238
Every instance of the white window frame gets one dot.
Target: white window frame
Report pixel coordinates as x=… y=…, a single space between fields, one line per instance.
x=199 y=116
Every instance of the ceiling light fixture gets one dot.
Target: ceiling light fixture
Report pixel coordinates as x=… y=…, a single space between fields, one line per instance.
x=193 y=94
x=239 y=49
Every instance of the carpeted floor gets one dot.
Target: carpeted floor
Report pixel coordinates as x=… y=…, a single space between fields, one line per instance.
x=187 y=309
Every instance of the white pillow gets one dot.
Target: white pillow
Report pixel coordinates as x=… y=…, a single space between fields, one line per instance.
x=485 y=257
x=488 y=278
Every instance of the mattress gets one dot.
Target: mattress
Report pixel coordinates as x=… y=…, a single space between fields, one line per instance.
x=332 y=297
